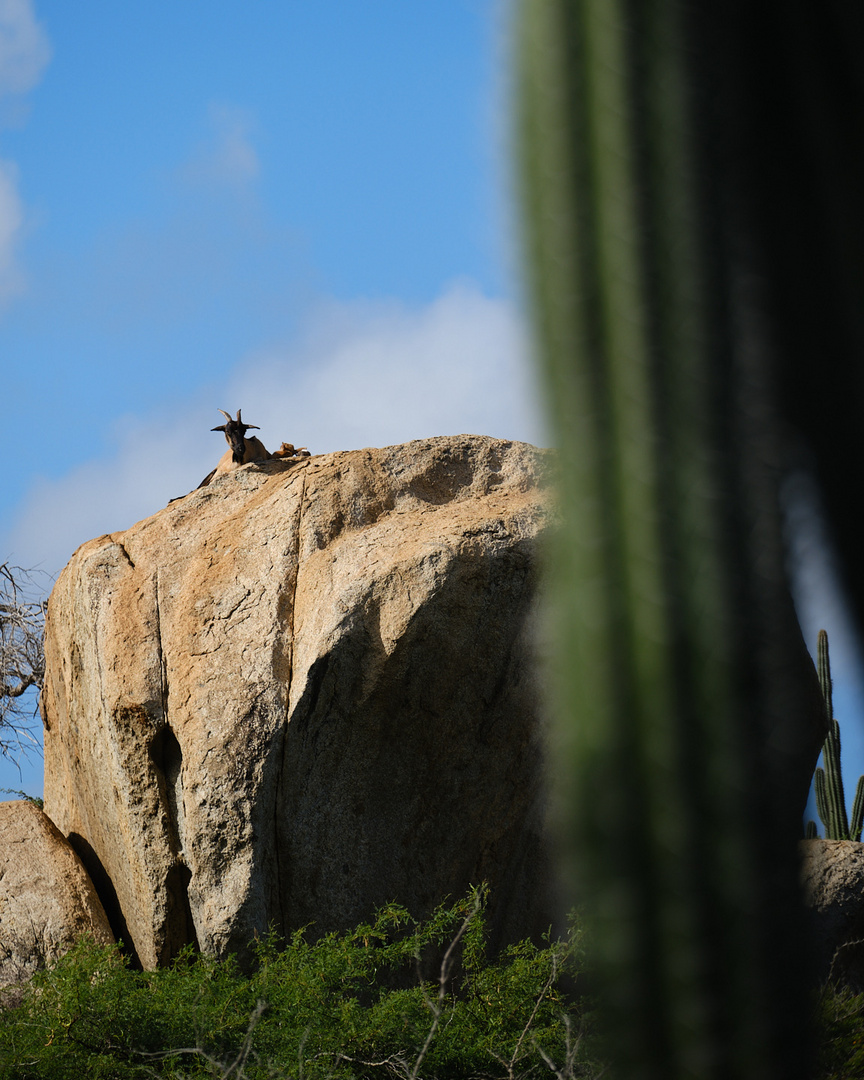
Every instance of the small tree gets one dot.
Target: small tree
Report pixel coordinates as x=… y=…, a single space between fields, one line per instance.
x=22 y=661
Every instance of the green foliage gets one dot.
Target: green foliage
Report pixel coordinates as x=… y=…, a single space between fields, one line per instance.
x=23 y=795
x=830 y=797
x=840 y=1025
x=347 y=1005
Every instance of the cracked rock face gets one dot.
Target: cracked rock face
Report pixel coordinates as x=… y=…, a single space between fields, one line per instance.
x=832 y=880
x=303 y=691
x=47 y=900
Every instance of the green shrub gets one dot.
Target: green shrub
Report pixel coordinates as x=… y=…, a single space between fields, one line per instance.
x=347 y=1005
x=840 y=1030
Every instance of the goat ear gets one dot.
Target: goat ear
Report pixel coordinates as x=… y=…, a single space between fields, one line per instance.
x=251 y=426
x=220 y=428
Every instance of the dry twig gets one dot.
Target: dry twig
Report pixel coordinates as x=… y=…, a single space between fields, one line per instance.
x=22 y=661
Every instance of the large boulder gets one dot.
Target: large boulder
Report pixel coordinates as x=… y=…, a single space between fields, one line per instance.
x=303 y=691
x=832 y=879
x=47 y=900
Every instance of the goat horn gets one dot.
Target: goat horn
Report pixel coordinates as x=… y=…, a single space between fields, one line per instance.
x=226 y=415
x=239 y=421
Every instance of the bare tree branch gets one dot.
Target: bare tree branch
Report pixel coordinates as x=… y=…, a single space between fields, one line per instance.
x=22 y=661
x=437 y=1007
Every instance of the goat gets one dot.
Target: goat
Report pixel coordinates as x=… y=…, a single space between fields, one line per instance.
x=242 y=450
x=288 y=450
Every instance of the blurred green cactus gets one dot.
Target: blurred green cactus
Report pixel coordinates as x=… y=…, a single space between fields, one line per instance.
x=682 y=752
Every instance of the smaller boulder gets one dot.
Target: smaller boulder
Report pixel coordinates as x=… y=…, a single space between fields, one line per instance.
x=47 y=900
x=832 y=878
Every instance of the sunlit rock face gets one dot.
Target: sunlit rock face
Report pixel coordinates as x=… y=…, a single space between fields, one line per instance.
x=303 y=691
x=47 y=900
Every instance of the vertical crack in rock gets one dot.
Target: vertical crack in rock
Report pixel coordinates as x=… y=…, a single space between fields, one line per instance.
x=167 y=759
x=294 y=594
x=163 y=669
x=289 y=680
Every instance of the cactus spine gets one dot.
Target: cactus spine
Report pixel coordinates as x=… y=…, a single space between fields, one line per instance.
x=830 y=797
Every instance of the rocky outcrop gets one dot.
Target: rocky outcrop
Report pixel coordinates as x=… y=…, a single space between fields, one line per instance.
x=47 y=901
x=832 y=878
x=303 y=691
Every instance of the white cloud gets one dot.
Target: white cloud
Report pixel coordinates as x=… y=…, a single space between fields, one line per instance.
x=24 y=48
x=816 y=583
x=228 y=157
x=24 y=52
x=11 y=219
x=363 y=375
x=371 y=375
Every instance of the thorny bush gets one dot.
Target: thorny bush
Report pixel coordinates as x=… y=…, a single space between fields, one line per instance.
x=346 y=1005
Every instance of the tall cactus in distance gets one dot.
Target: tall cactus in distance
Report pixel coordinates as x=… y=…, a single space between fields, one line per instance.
x=682 y=749
x=830 y=796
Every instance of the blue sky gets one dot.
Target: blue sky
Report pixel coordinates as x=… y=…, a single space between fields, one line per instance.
x=275 y=202
x=198 y=183
x=297 y=207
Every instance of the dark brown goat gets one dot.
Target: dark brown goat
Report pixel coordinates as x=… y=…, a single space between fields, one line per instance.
x=242 y=450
